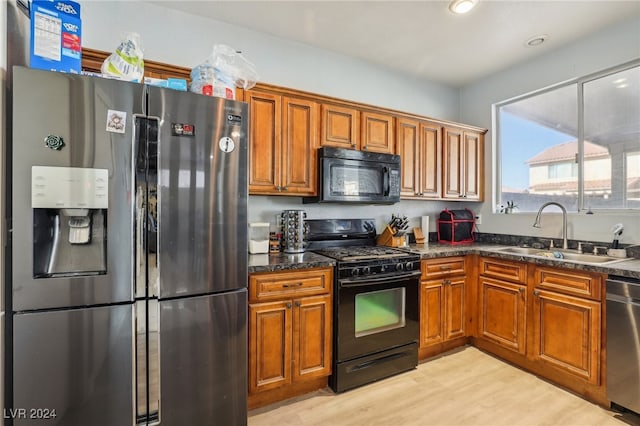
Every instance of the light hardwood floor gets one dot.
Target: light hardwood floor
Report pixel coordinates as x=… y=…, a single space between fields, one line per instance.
x=463 y=387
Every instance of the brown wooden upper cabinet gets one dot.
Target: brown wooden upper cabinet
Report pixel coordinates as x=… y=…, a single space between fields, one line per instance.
x=340 y=127
x=283 y=138
x=463 y=164
x=419 y=145
x=348 y=127
x=377 y=133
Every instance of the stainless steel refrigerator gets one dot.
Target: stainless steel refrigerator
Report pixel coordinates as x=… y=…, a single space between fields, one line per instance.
x=128 y=299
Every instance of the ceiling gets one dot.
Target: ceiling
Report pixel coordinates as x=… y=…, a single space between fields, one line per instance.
x=422 y=38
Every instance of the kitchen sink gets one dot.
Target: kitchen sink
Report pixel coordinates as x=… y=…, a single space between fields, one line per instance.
x=566 y=255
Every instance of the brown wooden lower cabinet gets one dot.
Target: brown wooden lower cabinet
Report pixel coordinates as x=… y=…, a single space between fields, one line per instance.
x=546 y=320
x=567 y=334
x=503 y=313
x=289 y=333
x=443 y=305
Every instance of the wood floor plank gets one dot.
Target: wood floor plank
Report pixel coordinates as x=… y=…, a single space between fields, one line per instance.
x=466 y=387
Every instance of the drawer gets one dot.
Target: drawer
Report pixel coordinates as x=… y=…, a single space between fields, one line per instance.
x=569 y=281
x=442 y=267
x=281 y=285
x=503 y=269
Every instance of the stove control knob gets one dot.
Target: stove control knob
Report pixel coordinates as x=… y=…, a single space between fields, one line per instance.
x=399 y=267
x=366 y=270
x=355 y=272
x=408 y=266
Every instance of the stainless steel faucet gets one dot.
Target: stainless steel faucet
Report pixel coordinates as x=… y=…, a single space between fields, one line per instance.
x=536 y=224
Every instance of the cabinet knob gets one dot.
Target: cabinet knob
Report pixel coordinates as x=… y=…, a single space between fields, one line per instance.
x=521 y=290
x=284 y=188
x=536 y=293
x=298 y=303
x=289 y=305
x=446 y=281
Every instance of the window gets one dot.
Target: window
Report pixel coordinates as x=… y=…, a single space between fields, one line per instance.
x=577 y=143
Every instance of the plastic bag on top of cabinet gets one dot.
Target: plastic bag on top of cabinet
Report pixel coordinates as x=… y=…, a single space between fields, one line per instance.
x=126 y=63
x=227 y=65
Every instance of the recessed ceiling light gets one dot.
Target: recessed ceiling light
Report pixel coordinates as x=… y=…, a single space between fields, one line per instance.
x=536 y=40
x=462 y=6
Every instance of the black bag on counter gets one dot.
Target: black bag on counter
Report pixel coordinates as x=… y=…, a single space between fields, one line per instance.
x=456 y=226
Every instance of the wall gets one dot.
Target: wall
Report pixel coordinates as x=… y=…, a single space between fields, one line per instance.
x=168 y=36
x=607 y=48
x=279 y=62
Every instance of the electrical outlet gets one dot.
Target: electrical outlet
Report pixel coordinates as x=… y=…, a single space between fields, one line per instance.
x=478 y=219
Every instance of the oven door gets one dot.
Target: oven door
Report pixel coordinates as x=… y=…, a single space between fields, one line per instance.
x=376 y=314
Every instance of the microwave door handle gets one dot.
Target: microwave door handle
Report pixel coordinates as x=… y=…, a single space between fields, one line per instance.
x=385 y=181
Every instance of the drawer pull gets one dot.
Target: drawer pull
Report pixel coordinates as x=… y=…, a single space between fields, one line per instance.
x=292 y=285
x=445 y=267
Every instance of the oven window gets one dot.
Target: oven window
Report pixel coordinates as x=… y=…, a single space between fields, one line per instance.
x=379 y=311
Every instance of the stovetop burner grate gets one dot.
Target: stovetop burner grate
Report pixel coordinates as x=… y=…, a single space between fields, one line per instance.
x=361 y=252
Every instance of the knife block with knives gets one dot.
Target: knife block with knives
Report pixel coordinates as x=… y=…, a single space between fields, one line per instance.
x=393 y=234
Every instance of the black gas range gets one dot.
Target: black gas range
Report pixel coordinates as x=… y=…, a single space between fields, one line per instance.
x=352 y=242
x=376 y=302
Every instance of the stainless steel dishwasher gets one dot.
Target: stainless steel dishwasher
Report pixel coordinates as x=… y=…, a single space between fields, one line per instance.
x=623 y=342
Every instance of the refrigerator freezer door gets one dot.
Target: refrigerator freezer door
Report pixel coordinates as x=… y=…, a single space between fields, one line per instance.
x=76 y=365
x=63 y=120
x=203 y=357
x=202 y=193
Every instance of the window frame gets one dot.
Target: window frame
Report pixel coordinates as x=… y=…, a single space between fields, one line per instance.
x=497 y=151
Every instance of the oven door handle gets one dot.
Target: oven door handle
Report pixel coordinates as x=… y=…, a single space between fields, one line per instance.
x=368 y=281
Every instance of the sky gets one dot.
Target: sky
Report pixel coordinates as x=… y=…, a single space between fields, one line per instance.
x=519 y=141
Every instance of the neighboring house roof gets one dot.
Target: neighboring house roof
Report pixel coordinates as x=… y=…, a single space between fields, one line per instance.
x=567 y=151
x=572 y=186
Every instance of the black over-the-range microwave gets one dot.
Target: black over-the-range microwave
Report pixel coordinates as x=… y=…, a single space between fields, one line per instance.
x=350 y=176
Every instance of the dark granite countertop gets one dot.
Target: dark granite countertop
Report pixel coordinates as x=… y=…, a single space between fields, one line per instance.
x=629 y=267
x=268 y=263
x=284 y=261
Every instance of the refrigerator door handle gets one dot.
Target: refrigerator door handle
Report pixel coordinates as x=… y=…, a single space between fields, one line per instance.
x=140 y=244
x=148 y=362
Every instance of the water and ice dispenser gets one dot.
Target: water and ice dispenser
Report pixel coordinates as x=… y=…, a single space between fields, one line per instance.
x=69 y=221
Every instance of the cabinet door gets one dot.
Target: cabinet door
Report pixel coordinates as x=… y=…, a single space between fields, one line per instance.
x=473 y=166
x=299 y=144
x=407 y=147
x=567 y=334
x=430 y=161
x=270 y=326
x=453 y=163
x=312 y=337
x=264 y=142
x=377 y=133
x=340 y=127
x=431 y=313
x=503 y=313
x=454 y=293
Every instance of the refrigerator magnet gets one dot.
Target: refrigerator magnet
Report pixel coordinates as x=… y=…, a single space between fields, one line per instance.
x=116 y=121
